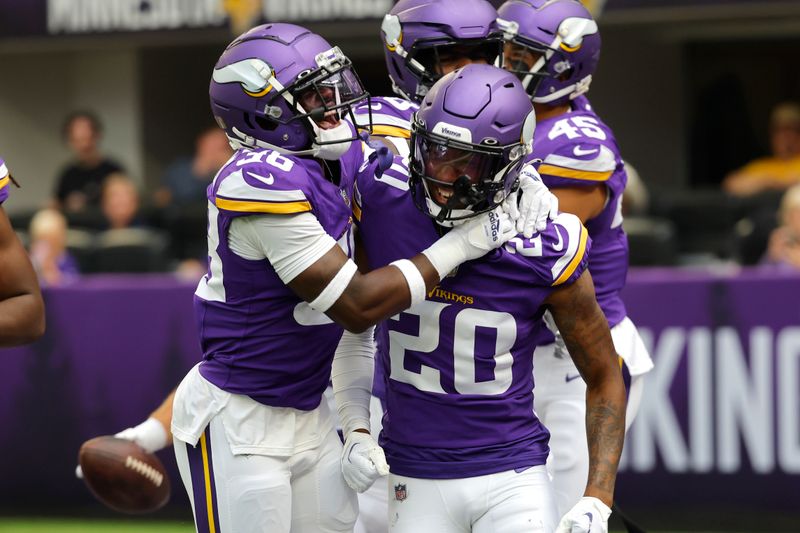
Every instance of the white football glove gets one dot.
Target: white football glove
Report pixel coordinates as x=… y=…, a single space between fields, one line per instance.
x=362 y=461
x=536 y=203
x=470 y=240
x=150 y=435
x=589 y=515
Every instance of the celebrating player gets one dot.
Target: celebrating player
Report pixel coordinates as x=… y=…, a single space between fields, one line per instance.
x=466 y=451
x=553 y=47
x=424 y=40
x=21 y=305
x=255 y=446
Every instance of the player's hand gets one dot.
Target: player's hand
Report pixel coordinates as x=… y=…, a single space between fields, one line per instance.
x=536 y=203
x=362 y=461
x=150 y=435
x=484 y=233
x=589 y=515
x=380 y=153
x=470 y=240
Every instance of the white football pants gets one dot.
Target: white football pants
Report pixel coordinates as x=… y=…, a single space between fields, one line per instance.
x=505 y=502
x=259 y=469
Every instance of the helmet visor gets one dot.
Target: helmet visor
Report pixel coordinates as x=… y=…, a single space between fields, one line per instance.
x=525 y=61
x=457 y=176
x=327 y=94
x=440 y=58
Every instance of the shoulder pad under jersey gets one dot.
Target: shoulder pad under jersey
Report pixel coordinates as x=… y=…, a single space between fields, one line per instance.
x=391 y=116
x=558 y=254
x=576 y=149
x=262 y=181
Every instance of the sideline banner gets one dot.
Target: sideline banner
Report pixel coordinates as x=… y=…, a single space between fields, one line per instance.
x=720 y=417
x=79 y=17
x=719 y=424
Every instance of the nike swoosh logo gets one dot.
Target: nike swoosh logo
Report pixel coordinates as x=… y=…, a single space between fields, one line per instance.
x=569 y=378
x=580 y=151
x=269 y=180
x=560 y=244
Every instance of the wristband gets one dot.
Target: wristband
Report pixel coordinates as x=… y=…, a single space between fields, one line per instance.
x=416 y=284
x=335 y=288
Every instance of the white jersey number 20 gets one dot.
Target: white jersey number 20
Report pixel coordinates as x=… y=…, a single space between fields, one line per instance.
x=466 y=322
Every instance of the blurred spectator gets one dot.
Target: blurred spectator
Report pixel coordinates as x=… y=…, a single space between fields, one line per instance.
x=79 y=184
x=185 y=180
x=48 y=250
x=782 y=169
x=120 y=202
x=784 y=242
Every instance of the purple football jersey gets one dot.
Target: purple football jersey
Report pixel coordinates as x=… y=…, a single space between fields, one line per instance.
x=258 y=337
x=577 y=150
x=391 y=117
x=459 y=365
x=5 y=181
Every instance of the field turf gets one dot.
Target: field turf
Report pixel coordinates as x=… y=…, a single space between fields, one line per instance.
x=33 y=525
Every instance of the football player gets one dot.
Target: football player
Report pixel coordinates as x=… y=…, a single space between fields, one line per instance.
x=441 y=44
x=422 y=41
x=21 y=305
x=466 y=450
x=254 y=444
x=553 y=46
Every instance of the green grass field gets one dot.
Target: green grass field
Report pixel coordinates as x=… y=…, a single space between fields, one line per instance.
x=28 y=525
x=33 y=525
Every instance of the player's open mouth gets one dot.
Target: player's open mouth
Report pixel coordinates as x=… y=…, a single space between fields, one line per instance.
x=329 y=121
x=441 y=194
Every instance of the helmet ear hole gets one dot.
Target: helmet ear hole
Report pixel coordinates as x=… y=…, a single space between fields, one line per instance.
x=247 y=121
x=264 y=124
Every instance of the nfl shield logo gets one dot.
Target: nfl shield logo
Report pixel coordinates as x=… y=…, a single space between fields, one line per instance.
x=400 y=492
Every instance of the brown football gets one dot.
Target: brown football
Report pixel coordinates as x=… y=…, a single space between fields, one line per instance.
x=122 y=475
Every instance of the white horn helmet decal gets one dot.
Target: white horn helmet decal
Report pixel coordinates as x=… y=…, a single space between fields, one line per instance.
x=255 y=76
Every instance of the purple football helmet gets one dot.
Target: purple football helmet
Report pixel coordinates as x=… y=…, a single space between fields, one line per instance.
x=420 y=35
x=552 y=45
x=282 y=87
x=469 y=141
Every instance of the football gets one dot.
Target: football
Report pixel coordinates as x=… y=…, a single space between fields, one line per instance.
x=122 y=475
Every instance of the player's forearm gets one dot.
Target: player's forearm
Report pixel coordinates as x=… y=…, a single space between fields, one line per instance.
x=351 y=376
x=585 y=331
x=605 y=432
x=21 y=319
x=384 y=292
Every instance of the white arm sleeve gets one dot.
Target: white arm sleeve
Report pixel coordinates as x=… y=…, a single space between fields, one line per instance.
x=353 y=366
x=291 y=243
